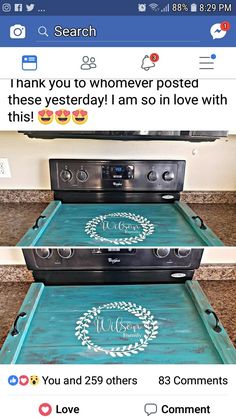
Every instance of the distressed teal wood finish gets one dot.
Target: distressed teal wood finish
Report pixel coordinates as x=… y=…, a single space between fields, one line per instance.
x=32 y=235
x=221 y=340
x=185 y=333
x=65 y=225
x=206 y=235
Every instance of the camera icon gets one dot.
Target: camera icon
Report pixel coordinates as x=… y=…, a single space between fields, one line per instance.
x=17 y=32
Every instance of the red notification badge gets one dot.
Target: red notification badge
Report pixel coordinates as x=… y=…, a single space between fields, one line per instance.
x=225 y=26
x=154 y=57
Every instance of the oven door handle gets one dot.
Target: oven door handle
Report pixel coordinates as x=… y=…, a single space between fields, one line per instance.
x=36 y=225
x=217 y=327
x=202 y=225
x=15 y=330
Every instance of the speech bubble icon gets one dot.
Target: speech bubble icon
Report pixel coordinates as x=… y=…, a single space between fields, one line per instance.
x=217 y=32
x=150 y=408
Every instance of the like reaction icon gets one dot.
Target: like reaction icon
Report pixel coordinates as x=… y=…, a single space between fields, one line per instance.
x=13 y=380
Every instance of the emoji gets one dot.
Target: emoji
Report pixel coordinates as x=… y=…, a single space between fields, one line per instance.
x=62 y=116
x=34 y=380
x=79 y=116
x=45 y=116
x=23 y=380
x=45 y=409
x=13 y=380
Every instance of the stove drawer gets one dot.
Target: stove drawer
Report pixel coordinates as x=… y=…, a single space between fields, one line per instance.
x=140 y=324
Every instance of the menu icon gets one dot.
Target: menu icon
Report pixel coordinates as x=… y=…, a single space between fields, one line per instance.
x=207 y=62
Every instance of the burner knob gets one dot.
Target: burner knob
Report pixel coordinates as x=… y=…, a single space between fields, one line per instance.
x=65 y=253
x=168 y=176
x=44 y=253
x=152 y=176
x=82 y=175
x=162 y=252
x=182 y=252
x=66 y=175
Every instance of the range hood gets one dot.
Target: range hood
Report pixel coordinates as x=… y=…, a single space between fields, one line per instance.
x=193 y=136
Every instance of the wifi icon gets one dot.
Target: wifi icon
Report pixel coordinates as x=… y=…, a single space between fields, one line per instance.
x=154 y=7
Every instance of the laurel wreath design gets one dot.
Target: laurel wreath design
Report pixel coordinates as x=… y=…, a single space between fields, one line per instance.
x=147 y=228
x=150 y=328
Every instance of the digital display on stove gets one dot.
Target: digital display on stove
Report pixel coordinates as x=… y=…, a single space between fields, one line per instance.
x=118 y=172
x=113 y=251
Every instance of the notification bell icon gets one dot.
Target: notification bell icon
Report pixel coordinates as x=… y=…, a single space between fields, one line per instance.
x=149 y=61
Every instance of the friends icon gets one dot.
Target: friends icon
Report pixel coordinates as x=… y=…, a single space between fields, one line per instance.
x=88 y=63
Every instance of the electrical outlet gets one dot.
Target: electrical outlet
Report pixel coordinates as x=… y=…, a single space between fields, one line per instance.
x=4 y=168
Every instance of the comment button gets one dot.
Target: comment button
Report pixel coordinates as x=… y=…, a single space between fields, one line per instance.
x=150 y=408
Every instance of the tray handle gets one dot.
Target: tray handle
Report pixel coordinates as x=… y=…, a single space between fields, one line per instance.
x=15 y=331
x=202 y=225
x=217 y=327
x=36 y=225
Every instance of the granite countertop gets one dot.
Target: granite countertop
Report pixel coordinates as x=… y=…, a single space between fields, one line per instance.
x=221 y=218
x=221 y=295
x=17 y=218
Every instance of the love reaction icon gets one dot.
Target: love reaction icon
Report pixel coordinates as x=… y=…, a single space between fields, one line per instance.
x=23 y=380
x=45 y=409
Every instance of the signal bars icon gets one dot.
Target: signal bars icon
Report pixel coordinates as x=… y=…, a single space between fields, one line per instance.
x=166 y=9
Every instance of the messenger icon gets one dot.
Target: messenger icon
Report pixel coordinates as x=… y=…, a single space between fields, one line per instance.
x=219 y=30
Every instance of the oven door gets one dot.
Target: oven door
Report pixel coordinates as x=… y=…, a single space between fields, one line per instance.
x=117 y=324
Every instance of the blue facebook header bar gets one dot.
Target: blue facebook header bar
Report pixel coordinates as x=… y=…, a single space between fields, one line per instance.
x=117 y=31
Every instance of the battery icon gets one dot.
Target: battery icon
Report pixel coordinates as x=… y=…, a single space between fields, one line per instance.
x=193 y=7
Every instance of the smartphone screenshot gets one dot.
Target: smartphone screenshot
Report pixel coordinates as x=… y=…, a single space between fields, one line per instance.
x=117 y=209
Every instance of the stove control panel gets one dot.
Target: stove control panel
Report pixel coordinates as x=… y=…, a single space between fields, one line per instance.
x=104 y=259
x=124 y=175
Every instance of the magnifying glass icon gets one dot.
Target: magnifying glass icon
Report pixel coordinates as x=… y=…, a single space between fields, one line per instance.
x=42 y=30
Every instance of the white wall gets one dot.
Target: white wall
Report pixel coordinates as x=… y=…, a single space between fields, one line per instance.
x=210 y=166
x=13 y=256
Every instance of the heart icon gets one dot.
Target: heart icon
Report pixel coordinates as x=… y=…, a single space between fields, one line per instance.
x=45 y=409
x=23 y=380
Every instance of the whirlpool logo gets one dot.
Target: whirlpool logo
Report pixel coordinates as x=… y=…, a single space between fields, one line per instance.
x=113 y=261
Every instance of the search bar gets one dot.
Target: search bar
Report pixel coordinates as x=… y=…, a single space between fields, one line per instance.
x=126 y=31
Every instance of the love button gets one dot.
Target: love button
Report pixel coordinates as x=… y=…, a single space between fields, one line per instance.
x=45 y=409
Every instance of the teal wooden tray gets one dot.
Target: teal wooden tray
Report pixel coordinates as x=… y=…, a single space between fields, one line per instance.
x=127 y=324
x=133 y=225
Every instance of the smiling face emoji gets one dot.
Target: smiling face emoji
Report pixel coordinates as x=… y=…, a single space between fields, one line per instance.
x=62 y=116
x=79 y=116
x=45 y=116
